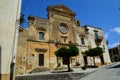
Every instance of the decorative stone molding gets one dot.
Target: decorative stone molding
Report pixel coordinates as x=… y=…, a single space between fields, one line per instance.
x=82 y=35
x=41 y=28
x=31 y=20
x=86 y=30
x=95 y=31
x=40 y=49
x=61 y=9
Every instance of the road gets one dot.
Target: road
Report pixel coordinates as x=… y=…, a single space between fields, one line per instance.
x=110 y=72
x=56 y=75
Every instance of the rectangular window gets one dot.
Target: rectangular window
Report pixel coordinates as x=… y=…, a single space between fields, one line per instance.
x=82 y=41
x=96 y=35
x=41 y=36
x=103 y=47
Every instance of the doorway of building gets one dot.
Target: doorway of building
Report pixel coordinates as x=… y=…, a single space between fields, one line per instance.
x=41 y=59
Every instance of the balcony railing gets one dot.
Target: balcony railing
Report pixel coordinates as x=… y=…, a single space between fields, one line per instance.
x=98 y=39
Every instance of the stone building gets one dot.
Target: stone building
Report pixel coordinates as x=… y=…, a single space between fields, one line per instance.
x=38 y=43
x=9 y=23
x=95 y=37
x=115 y=53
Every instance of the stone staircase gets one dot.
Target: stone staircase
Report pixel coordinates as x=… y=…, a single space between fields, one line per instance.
x=60 y=76
x=39 y=69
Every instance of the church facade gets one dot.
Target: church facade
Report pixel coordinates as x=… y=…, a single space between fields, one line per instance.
x=38 y=43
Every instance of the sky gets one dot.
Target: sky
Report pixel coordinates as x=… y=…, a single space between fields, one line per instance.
x=104 y=14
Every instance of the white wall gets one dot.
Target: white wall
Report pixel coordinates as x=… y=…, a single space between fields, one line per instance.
x=91 y=38
x=9 y=14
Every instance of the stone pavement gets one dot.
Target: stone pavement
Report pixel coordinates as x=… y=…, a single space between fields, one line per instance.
x=57 y=75
x=109 y=72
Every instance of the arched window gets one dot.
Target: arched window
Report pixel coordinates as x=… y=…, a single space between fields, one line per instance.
x=41 y=36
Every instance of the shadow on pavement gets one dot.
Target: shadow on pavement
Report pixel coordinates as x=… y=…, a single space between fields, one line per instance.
x=61 y=71
x=116 y=66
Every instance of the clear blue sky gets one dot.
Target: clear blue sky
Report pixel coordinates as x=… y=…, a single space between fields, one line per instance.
x=99 y=13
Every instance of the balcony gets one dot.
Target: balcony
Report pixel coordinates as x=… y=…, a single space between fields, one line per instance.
x=98 y=39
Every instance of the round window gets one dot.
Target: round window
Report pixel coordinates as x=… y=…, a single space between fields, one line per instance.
x=63 y=28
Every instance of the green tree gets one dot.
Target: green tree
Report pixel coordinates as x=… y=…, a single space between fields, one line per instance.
x=67 y=53
x=93 y=52
x=22 y=19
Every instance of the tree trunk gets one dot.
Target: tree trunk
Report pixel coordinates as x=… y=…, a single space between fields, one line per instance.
x=69 y=69
x=68 y=64
x=94 y=60
x=66 y=61
x=85 y=60
x=102 y=59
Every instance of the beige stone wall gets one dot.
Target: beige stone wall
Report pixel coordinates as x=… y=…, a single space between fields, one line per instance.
x=33 y=55
x=28 y=57
x=55 y=32
x=36 y=26
x=53 y=59
x=58 y=17
x=9 y=15
x=4 y=76
x=20 y=67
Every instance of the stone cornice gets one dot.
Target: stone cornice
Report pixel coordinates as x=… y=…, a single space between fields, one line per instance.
x=61 y=9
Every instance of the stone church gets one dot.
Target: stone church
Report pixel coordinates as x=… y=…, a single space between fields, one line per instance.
x=38 y=43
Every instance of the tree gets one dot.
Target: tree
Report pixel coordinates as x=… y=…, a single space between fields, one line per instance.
x=22 y=18
x=93 y=52
x=67 y=53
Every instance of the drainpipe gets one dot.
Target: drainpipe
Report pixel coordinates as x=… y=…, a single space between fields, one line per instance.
x=15 y=41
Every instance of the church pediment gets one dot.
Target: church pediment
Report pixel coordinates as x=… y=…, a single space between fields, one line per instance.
x=61 y=8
